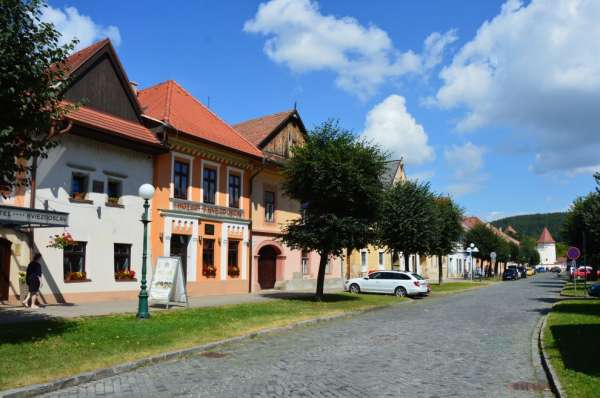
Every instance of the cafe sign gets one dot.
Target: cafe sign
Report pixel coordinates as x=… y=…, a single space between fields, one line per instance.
x=12 y=215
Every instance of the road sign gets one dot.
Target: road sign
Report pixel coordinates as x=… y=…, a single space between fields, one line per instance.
x=493 y=256
x=573 y=253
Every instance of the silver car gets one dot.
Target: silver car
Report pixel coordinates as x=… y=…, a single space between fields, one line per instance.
x=389 y=282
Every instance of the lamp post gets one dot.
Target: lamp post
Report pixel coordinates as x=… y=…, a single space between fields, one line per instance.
x=146 y=192
x=472 y=249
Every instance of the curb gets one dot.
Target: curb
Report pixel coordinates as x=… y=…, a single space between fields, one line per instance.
x=95 y=375
x=555 y=385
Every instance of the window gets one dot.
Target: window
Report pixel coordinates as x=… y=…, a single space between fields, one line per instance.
x=404 y=277
x=376 y=275
x=232 y=258
x=181 y=174
x=114 y=192
x=98 y=186
x=209 y=186
x=79 y=186
x=381 y=258
x=363 y=260
x=208 y=258
x=269 y=206
x=327 y=268
x=209 y=229
x=122 y=253
x=234 y=190
x=304 y=261
x=74 y=262
x=391 y=275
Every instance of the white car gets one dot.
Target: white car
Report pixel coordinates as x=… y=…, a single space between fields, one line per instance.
x=390 y=282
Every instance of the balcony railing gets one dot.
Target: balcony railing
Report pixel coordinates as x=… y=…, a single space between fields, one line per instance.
x=206 y=209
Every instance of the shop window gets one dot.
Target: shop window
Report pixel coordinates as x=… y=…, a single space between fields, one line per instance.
x=114 y=192
x=181 y=174
x=235 y=184
x=74 y=262
x=209 y=186
x=208 y=258
x=79 y=186
x=269 y=206
x=122 y=262
x=232 y=258
x=209 y=229
x=304 y=262
x=381 y=259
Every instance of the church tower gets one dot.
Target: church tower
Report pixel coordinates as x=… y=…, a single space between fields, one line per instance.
x=546 y=246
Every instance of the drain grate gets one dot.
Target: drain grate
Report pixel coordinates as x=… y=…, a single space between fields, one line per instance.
x=213 y=354
x=528 y=386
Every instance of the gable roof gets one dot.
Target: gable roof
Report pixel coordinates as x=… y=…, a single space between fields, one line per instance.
x=391 y=170
x=546 y=237
x=77 y=63
x=173 y=105
x=257 y=130
x=470 y=222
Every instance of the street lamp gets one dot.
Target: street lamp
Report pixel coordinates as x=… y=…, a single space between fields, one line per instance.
x=472 y=249
x=146 y=192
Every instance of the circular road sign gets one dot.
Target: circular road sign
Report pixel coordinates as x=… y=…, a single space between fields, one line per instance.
x=493 y=256
x=573 y=253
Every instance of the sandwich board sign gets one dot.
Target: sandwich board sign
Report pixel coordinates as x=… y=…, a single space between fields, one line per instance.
x=168 y=286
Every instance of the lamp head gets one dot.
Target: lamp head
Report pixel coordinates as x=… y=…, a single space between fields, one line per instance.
x=472 y=245
x=146 y=191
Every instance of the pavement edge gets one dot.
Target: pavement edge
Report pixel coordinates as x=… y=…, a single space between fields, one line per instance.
x=76 y=380
x=551 y=374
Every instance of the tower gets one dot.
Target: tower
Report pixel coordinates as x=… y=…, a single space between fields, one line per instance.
x=546 y=246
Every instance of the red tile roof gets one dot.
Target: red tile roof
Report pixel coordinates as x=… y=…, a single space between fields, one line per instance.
x=97 y=120
x=78 y=58
x=256 y=130
x=546 y=237
x=172 y=104
x=470 y=222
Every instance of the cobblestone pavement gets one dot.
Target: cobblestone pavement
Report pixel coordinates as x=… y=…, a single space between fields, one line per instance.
x=471 y=344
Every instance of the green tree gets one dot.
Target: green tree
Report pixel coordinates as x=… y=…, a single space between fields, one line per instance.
x=407 y=221
x=514 y=252
x=528 y=253
x=32 y=78
x=448 y=229
x=484 y=239
x=337 y=178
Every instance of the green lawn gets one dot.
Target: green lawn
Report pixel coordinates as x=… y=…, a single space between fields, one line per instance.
x=44 y=350
x=453 y=287
x=572 y=340
x=570 y=291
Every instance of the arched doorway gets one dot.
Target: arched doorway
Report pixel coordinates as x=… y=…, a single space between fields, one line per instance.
x=267 y=267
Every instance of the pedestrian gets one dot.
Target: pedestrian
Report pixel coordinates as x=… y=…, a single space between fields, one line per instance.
x=33 y=278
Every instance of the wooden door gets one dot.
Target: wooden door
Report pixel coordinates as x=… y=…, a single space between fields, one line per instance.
x=267 y=268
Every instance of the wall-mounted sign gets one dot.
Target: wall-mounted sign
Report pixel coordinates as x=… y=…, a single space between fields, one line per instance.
x=13 y=215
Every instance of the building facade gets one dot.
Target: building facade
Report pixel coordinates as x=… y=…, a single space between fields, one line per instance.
x=274 y=264
x=546 y=247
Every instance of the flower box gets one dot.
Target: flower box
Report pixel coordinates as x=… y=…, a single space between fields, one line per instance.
x=126 y=275
x=61 y=241
x=233 y=271
x=209 y=272
x=76 y=277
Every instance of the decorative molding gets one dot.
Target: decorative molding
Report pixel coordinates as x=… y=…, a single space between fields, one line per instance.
x=80 y=166
x=114 y=174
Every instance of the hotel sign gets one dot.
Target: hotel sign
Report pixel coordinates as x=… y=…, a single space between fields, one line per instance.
x=12 y=215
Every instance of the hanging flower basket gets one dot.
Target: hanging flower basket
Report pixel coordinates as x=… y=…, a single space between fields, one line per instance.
x=126 y=275
x=234 y=271
x=61 y=241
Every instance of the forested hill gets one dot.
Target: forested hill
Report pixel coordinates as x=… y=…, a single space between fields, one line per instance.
x=533 y=224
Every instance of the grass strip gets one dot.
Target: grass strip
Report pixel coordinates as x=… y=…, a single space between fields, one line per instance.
x=569 y=289
x=571 y=342
x=39 y=351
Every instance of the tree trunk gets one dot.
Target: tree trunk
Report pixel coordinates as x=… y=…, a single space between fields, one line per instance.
x=321 y=276
x=406 y=262
x=440 y=269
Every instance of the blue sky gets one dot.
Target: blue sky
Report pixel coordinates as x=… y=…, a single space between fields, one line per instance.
x=490 y=101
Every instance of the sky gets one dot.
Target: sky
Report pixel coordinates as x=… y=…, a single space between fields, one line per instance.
x=493 y=102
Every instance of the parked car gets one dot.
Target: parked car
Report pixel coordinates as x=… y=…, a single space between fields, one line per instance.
x=584 y=272
x=540 y=268
x=522 y=271
x=390 y=282
x=530 y=271
x=594 y=290
x=516 y=269
x=510 y=274
x=555 y=269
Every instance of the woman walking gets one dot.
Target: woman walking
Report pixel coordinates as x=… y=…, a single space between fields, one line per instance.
x=34 y=280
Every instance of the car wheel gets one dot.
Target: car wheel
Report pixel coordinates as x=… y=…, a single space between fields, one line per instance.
x=400 y=291
x=354 y=288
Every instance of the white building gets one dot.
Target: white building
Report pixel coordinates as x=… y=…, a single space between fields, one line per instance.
x=546 y=247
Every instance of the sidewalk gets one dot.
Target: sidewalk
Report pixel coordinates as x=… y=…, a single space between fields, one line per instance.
x=14 y=314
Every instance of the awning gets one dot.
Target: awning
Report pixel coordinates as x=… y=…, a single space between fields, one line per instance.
x=14 y=217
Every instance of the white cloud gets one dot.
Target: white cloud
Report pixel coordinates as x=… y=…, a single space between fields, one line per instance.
x=424 y=175
x=71 y=24
x=362 y=57
x=466 y=163
x=390 y=125
x=534 y=67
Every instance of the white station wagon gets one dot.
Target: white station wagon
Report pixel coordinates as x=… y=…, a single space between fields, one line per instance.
x=390 y=282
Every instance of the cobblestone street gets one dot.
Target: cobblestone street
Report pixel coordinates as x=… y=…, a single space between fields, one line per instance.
x=472 y=344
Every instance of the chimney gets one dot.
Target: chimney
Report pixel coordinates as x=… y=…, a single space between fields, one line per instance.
x=133 y=86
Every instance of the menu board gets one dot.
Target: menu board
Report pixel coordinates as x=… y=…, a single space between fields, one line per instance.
x=168 y=285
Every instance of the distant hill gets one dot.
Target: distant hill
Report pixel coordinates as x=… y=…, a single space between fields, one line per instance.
x=533 y=224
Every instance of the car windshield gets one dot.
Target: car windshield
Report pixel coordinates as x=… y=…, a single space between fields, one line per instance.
x=419 y=277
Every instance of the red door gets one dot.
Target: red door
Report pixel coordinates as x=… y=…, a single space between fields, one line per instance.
x=4 y=268
x=267 y=270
